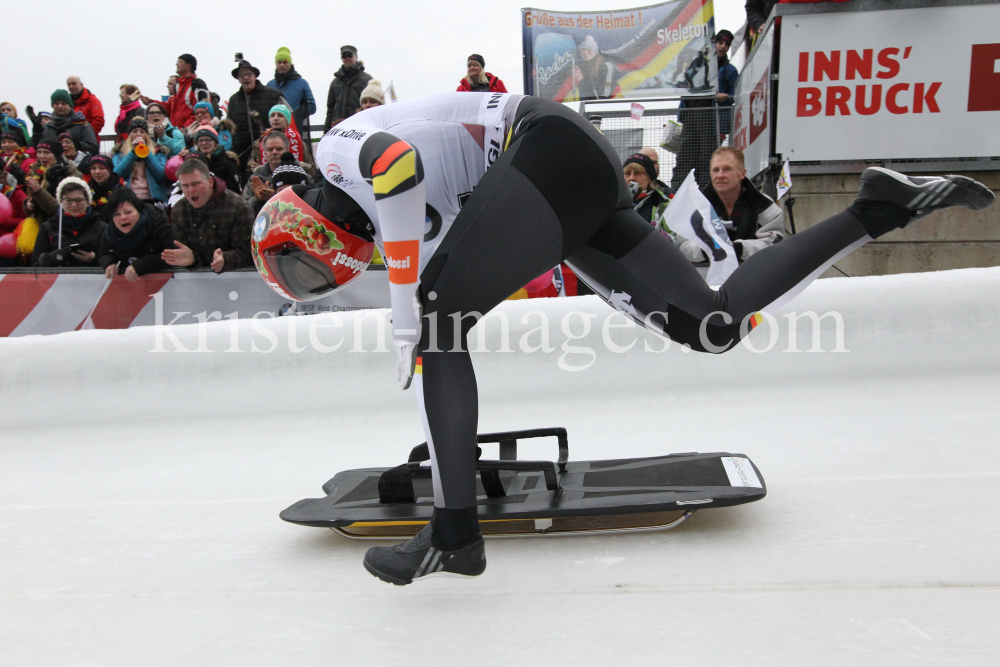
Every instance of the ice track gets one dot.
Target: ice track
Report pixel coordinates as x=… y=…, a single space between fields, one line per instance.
x=140 y=491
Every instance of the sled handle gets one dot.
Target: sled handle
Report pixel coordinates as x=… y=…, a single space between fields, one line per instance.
x=508 y=441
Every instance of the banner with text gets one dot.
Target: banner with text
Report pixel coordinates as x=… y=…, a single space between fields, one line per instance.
x=892 y=84
x=662 y=49
x=752 y=124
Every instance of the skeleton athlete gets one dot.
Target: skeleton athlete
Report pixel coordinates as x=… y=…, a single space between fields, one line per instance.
x=472 y=195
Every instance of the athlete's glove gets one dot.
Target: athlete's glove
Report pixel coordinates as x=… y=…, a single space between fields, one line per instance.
x=406 y=362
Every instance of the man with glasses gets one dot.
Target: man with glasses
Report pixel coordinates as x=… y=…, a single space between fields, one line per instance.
x=344 y=98
x=248 y=110
x=72 y=235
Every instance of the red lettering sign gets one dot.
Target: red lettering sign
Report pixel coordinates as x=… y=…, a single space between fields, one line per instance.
x=984 y=78
x=809 y=102
x=758 y=107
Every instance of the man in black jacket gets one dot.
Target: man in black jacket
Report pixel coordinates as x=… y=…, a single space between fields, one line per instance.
x=248 y=110
x=65 y=119
x=344 y=98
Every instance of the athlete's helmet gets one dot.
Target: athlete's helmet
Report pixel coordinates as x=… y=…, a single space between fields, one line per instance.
x=309 y=242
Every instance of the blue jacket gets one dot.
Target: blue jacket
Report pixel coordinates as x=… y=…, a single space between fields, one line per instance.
x=296 y=92
x=155 y=174
x=727 y=84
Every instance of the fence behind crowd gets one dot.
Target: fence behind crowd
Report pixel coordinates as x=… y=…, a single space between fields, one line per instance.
x=57 y=300
x=684 y=138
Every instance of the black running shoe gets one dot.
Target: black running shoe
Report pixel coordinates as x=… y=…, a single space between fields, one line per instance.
x=417 y=558
x=923 y=194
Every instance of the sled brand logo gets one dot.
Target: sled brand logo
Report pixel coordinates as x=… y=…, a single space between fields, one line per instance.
x=260 y=226
x=622 y=302
x=400 y=260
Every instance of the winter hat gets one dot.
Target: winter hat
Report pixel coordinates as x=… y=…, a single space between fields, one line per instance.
x=373 y=91
x=478 y=58
x=245 y=64
x=67 y=135
x=283 y=54
x=206 y=105
x=283 y=110
x=158 y=106
x=103 y=160
x=61 y=96
x=206 y=131
x=138 y=122
x=45 y=114
x=348 y=47
x=643 y=161
x=724 y=35
x=51 y=146
x=589 y=44
x=73 y=180
x=288 y=172
x=190 y=60
x=15 y=137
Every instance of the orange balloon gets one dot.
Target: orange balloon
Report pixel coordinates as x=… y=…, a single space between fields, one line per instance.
x=141 y=150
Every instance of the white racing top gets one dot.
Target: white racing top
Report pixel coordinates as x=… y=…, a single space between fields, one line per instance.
x=411 y=166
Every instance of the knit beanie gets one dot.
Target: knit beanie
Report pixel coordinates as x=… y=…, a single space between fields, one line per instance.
x=478 y=58
x=288 y=172
x=67 y=135
x=644 y=162
x=206 y=131
x=207 y=106
x=283 y=54
x=190 y=60
x=283 y=110
x=373 y=91
x=16 y=137
x=590 y=44
x=73 y=180
x=102 y=160
x=138 y=122
x=61 y=96
x=51 y=146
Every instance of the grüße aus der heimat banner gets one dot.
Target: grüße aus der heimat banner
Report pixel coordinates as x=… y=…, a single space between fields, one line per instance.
x=662 y=49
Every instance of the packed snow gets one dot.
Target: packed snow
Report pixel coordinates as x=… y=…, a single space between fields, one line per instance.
x=141 y=489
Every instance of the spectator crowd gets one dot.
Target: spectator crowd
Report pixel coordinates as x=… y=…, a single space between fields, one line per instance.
x=187 y=173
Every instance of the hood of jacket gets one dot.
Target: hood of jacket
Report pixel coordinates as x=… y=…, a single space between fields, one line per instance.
x=347 y=75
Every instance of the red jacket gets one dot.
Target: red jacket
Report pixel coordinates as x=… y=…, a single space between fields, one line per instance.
x=180 y=107
x=496 y=85
x=91 y=108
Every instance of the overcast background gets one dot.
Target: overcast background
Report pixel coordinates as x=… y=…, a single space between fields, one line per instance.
x=422 y=47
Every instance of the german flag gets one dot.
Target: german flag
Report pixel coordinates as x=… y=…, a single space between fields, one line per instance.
x=395 y=170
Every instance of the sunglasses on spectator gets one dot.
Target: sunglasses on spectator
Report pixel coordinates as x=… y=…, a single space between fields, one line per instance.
x=346 y=54
x=73 y=201
x=154 y=113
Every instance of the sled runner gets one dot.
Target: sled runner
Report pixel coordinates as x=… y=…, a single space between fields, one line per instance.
x=520 y=498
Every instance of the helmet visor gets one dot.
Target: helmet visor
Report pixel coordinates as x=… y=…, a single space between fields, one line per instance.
x=303 y=276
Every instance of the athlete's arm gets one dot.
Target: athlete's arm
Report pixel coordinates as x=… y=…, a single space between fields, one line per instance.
x=397 y=179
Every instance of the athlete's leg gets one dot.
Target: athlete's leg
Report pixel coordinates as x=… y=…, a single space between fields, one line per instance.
x=666 y=292
x=545 y=196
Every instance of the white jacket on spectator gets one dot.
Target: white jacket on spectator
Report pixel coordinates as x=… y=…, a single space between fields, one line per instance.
x=755 y=223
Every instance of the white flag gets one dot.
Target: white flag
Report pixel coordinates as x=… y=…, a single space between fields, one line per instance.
x=785 y=180
x=391 y=92
x=637 y=110
x=691 y=215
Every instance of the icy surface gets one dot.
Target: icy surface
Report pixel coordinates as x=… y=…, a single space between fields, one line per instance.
x=140 y=493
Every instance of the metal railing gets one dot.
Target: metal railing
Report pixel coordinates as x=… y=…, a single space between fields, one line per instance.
x=684 y=139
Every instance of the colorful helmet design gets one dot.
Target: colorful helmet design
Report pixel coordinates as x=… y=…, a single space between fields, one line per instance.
x=303 y=255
